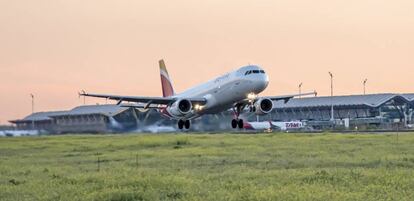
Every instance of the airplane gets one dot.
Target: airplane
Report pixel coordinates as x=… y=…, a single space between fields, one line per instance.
x=236 y=90
x=274 y=125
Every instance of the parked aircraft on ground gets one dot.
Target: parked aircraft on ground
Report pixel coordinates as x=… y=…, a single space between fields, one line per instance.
x=274 y=125
x=235 y=90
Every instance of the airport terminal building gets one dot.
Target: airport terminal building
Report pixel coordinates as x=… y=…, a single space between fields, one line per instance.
x=373 y=111
x=82 y=119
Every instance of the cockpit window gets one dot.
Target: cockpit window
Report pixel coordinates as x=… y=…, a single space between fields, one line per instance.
x=254 y=71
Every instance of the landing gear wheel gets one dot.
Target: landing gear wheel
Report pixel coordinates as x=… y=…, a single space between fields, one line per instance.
x=237 y=109
x=234 y=123
x=180 y=124
x=240 y=123
x=187 y=124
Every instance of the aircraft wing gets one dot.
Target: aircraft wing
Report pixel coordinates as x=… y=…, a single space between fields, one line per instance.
x=143 y=106
x=144 y=99
x=286 y=98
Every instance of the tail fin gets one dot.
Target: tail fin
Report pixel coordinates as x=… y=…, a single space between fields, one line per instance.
x=166 y=84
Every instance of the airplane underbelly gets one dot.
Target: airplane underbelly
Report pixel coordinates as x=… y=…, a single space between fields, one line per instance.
x=223 y=103
x=224 y=97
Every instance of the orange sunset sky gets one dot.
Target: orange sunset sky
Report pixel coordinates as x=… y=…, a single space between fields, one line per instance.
x=55 y=48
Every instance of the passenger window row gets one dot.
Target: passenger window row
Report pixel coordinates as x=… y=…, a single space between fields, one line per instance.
x=254 y=71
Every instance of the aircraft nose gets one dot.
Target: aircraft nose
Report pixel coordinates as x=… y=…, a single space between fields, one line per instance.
x=262 y=83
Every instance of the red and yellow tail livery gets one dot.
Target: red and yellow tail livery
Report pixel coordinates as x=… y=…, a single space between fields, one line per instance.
x=166 y=83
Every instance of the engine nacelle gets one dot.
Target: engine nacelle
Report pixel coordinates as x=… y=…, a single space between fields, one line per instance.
x=181 y=107
x=263 y=106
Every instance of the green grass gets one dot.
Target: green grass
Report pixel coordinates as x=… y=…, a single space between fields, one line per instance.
x=208 y=167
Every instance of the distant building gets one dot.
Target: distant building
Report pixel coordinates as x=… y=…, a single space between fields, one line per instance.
x=95 y=119
x=37 y=121
x=90 y=118
x=7 y=127
x=372 y=109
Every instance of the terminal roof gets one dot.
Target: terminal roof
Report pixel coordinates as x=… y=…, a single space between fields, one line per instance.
x=107 y=110
x=354 y=101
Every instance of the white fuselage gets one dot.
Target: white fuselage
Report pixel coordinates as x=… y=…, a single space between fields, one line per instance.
x=223 y=92
x=266 y=125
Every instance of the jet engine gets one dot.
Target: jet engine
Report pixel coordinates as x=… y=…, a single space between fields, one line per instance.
x=263 y=106
x=181 y=107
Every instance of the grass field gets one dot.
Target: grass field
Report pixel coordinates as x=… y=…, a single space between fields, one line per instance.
x=208 y=167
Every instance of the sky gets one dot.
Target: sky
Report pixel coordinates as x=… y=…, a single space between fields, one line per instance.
x=55 y=48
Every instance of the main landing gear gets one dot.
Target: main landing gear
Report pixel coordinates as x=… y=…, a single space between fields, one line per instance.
x=236 y=122
x=184 y=124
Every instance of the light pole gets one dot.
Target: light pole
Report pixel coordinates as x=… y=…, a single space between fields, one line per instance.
x=32 y=96
x=365 y=83
x=332 y=110
x=84 y=97
x=300 y=90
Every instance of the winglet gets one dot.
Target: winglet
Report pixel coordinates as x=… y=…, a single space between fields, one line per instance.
x=82 y=93
x=166 y=84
